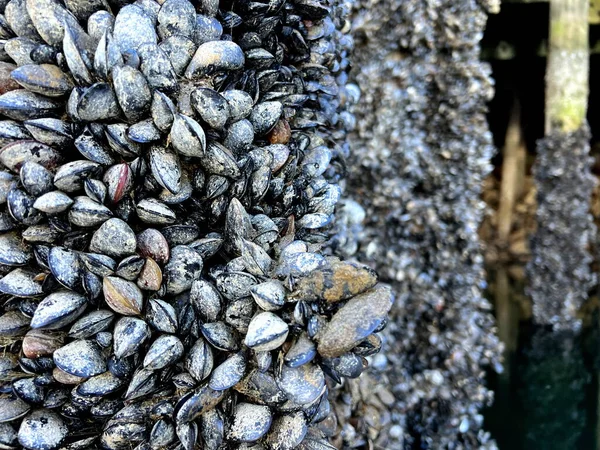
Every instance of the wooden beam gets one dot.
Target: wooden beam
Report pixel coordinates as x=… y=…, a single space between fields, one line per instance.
x=512 y=173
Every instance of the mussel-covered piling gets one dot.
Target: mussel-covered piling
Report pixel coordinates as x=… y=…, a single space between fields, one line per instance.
x=420 y=152
x=559 y=272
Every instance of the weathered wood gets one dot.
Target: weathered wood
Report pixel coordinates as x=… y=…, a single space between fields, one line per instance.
x=512 y=174
x=594 y=14
x=567 y=71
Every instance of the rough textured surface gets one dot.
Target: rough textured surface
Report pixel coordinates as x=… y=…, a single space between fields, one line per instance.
x=144 y=147
x=559 y=272
x=419 y=155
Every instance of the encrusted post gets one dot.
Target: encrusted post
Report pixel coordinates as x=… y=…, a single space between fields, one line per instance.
x=420 y=152
x=559 y=272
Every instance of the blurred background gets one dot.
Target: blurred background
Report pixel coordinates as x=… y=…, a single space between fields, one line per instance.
x=548 y=395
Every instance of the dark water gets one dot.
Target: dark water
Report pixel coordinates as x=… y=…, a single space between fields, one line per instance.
x=548 y=396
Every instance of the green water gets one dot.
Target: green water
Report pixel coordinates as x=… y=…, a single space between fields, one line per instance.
x=548 y=396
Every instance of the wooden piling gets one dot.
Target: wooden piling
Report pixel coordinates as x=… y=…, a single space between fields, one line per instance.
x=560 y=274
x=567 y=70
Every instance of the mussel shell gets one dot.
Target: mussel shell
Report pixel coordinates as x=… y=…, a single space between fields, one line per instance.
x=184 y=266
x=92 y=323
x=132 y=90
x=21 y=283
x=116 y=134
x=287 y=431
x=98 y=21
x=13 y=251
x=65 y=266
x=219 y=160
x=80 y=358
x=250 y=422
x=11 y=131
x=100 y=385
x=180 y=50
x=98 y=102
x=144 y=382
x=50 y=131
x=130 y=333
x=240 y=104
x=130 y=267
x=206 y=300
x=196 y=403
x=355 y=321
x=133 y=28
x=19 y=21
x=266 y=332
x=199 y=360
x=95 y=190
x=86 y=213
x=76 y=61
x=165 y=168
x=122 y=296
x=119 y=181
x=53 y=202
x=212 y=107
x=143 y=132
x=220 y=336
x=176 y=17
x=70 y=176
x=162 y=316
x=50 y=18
x=54 y=429
x=38 y=343
x=228 y=373
x=162 y=111
x=99 y=264
x=114 y=238
x=187 y=136
x=155 y=212
x=152 y=243
x=303 y=384
x=12 y=408
x=162 y=434
x=264 y=116
x=301 y=352
x=13 y=324
x=164 y=351
x=157 y=68
x=14 y=155
x=215 y=55
x=58 y=309
x=45 y=79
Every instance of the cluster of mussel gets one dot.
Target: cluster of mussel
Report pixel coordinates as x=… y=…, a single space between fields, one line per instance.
x=559 y=271
x=165 y=192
